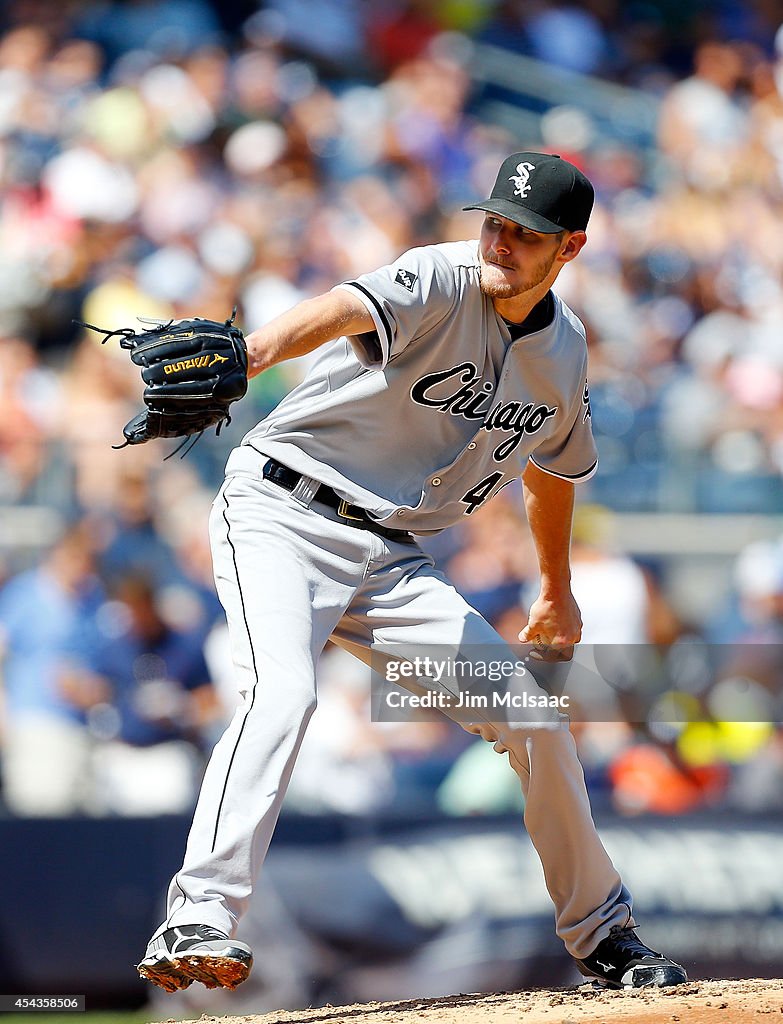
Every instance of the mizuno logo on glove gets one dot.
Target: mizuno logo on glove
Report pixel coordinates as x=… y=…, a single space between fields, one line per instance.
x=191 y=364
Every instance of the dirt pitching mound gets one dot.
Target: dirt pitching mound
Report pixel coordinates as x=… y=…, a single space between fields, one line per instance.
x=698 y=1002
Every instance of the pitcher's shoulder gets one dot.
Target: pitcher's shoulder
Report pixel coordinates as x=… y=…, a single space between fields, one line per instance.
x=445 y=265
x=457 y=254
x=442 y=259
x=569 y=318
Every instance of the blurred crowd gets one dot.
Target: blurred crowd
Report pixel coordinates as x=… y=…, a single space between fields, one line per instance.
x=179 y=157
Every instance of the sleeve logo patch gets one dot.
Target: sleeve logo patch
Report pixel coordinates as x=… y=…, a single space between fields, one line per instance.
x=406 y=279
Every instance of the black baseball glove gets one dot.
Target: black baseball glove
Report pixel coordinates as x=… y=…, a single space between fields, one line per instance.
x=193 y=370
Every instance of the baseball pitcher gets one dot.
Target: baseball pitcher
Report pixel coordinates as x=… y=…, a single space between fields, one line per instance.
x=440 y=379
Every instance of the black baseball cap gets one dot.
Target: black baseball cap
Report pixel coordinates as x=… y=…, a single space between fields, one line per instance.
x=540 y=191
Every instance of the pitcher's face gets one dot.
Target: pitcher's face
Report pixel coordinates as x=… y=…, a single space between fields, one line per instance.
x=514 y=259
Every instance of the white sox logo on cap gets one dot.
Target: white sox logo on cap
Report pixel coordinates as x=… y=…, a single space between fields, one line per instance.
x=558 y=198
x=521 y=179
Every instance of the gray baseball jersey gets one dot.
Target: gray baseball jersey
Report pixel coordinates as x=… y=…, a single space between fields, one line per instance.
x=425 y=419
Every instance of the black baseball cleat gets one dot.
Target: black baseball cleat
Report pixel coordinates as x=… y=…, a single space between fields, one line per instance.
x=195 y=952
x=623 y=961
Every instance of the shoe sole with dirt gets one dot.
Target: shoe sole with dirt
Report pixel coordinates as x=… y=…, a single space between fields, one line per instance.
x=211 y=970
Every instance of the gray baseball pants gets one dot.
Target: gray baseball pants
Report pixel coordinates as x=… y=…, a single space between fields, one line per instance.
x=290 y=577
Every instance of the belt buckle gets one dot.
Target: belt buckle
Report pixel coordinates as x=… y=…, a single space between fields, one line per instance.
x=342 y=510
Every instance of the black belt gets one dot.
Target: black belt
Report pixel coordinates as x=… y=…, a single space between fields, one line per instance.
x=350 y=514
